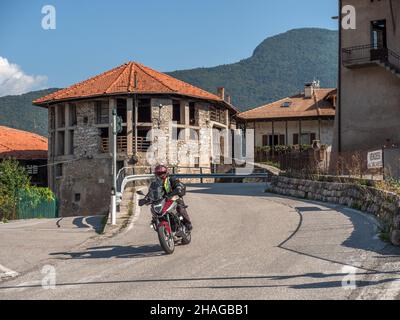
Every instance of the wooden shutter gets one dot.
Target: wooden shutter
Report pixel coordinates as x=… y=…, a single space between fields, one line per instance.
x=282 y=140
x=313 y=137
x=265 y=140
x=295 y=138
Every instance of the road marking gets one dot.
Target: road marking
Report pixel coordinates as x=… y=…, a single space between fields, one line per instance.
x=7 y=273
x=90 y=227
x=137 y=211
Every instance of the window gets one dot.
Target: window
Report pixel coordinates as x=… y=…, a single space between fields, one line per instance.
x=72 y=114
x=77 y=197
x=52 y=118
x=60 y=143
x=306 y=138
x=192 y=113
x=61 y=116
x=121 y=109
x=286 y=104
x=276 y=140
x=295 y=138
x=59 y=170
x=104 y=139
x=102 y=112
x=32 y=169
x=144 y=110
x=71 y=142
x=176 y=111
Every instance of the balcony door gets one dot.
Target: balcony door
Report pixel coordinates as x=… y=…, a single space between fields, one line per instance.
x=379 y=49
x=379 y=34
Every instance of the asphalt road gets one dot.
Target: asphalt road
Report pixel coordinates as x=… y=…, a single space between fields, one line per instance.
x=245 y=245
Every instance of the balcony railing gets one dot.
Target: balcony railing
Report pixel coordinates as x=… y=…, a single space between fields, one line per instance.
x=365 y=55
x=122 y=144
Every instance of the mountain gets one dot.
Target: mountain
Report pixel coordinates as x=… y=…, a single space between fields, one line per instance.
x=19 y=113
x=278 y=68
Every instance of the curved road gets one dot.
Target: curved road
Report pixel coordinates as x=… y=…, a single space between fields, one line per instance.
x=246 y=245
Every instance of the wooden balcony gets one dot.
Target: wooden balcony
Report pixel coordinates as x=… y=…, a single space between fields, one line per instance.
x=122 y=144
x=217 y=115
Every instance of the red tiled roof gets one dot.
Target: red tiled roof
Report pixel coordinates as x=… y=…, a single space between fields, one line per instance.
x=300 y=107
x=22 y=145
x=131 y=77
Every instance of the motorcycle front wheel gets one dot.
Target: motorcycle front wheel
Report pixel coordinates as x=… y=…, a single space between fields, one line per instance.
x=187 y=239
x=166 y=240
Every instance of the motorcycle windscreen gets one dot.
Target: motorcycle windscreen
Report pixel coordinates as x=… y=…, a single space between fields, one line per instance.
x=156 y=191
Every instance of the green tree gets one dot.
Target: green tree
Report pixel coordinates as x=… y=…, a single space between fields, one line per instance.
x=13 y=178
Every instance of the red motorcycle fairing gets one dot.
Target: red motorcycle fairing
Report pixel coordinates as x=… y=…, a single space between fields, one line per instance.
x=166 y=225
x=167 y=205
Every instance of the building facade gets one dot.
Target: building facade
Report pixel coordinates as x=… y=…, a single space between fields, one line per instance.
x=29 y=149
x=296 y=120
x=81 y=133
x=369 y=81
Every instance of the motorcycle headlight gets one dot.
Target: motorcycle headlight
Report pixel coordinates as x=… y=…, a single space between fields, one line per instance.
x=158 y=207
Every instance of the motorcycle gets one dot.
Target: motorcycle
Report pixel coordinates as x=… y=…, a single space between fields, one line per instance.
x=166 y=220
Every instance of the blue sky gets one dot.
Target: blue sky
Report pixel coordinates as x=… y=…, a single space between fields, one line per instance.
x=93 y=36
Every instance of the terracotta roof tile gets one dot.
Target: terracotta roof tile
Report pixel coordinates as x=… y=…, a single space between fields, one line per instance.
x=300 y=107
x=131 y=77
x=22 y=145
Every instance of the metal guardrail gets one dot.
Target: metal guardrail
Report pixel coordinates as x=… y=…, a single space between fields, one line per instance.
x=145 y=177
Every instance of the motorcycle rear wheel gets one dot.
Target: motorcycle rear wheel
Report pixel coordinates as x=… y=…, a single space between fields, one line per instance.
x=166 y=240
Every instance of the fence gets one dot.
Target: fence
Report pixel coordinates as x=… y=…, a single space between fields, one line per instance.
x=391 y=162
x=44 y=209
x=296 y=158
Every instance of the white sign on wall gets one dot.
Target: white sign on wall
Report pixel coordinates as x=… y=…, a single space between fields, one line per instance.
x=375 y=159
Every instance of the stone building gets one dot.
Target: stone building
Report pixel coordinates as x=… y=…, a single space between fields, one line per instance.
x=300 y=119
x=369 y=82
x=29 y=149
x=80 y=130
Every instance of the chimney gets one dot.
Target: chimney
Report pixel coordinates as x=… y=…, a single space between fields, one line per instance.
x=309 y=89
x=228 y=99
x=221 y=92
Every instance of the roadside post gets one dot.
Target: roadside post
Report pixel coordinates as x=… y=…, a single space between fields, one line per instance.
x=117 y=128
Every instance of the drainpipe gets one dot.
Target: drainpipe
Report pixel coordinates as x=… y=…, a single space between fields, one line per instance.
x=339 y=98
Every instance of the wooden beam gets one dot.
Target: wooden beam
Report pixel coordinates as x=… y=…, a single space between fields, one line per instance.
x=287 y=134
x=300 y=132
x=136 y=115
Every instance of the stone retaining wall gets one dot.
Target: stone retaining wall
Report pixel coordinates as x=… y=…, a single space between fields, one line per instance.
x=382 y=204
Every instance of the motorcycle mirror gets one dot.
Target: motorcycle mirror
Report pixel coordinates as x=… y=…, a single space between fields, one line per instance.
x=140 y=193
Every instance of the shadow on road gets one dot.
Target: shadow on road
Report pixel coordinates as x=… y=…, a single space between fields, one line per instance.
x=106 y=252
x=310 y=276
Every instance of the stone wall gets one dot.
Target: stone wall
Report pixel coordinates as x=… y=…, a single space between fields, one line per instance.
x=382 y=204
x=84 y=188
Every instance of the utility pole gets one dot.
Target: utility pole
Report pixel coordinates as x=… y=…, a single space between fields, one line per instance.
x=114 y=170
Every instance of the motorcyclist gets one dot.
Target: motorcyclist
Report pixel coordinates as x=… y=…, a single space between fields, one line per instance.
x=173 y=187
